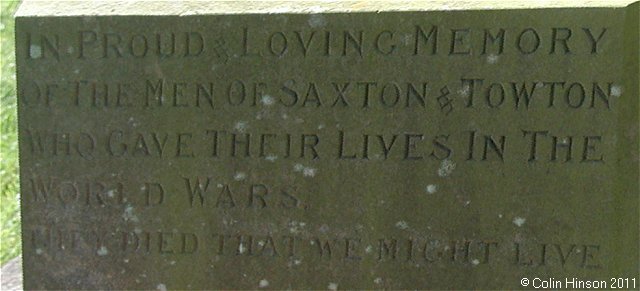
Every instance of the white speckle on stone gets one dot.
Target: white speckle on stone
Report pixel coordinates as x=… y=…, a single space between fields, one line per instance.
x=297 y=262
x=492 y=59
x=519 y=221
x=446 y=168
x=129 y=215
x=402 y=224
x=172 y=263
x=271 y=158
x=616 y=91
x=377 y=280
x=263 y=283
x=309 y=172
x=317 y=20
x=464 y=91
x=241 y=126
x=432 y=189
x=267 y=100
x=321 y=126
x=240 y=176
x=332 y=286
x=102 y=251
x=475 y=262
x=110 y=193
x=306 y=171
x=76 y=71
x=35 y=51
x=70 y=49
x=39 y=251
x=241 y=248
x=161 y=287
x=126 y=261
x=368 y=249
x=499 y=215
x=295 y=226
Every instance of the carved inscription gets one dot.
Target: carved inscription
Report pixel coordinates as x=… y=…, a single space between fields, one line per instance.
x=429 y=145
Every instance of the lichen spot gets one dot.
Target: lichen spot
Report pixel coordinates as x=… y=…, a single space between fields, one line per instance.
x=129 y=215
x=519 y=221
x=317 y=20
x=492 y=59
x=377 y=280
x=35 y=51
x=464 y=91
x=332 y=286
x=298 y=167
x=368 y=249
x=102 y=251
x=402 y=224
x=475 y=262
x=271 y=158
x=241 y=126
x=309 y=172
x=267 y=100
x=432 y=188
x=161 y=287
x=446 y=168
x=240 y=176
x=616 y=91
x=263 y=283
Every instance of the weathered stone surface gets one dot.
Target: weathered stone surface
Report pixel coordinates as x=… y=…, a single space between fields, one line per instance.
x=329 y=146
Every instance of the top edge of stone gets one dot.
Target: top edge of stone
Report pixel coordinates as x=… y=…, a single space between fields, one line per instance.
x=199 y=7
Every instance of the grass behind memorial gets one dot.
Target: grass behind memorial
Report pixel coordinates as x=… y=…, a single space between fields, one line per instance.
x=9 y=197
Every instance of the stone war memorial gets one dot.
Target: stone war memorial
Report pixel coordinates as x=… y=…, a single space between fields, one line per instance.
x=329 y=145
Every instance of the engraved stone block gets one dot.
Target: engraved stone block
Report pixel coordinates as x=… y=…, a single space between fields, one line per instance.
x=342 y=145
